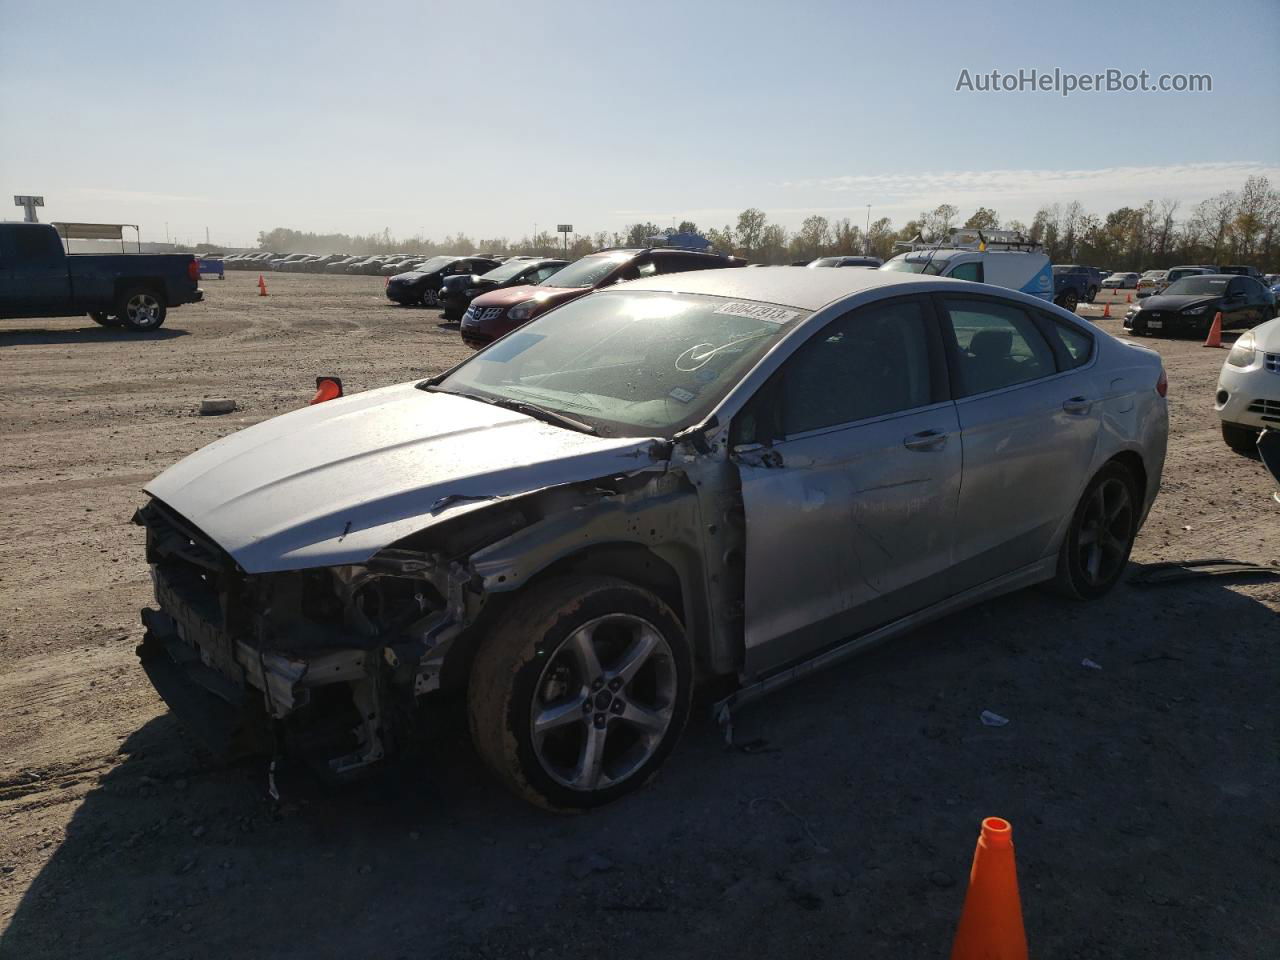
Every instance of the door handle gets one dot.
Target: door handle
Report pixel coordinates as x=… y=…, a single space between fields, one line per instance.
x=1077 y=405
x=925 y=441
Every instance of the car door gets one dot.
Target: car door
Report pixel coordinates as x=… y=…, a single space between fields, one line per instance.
x=1259 y=301
x=1236 y=309
x=35 y=271
x=1029 y=419
x=849 y=464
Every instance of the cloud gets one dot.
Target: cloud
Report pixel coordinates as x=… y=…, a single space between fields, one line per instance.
x=1129 y=184
x=137 y=196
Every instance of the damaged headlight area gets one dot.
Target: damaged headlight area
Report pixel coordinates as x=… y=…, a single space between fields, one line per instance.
x=325 y=663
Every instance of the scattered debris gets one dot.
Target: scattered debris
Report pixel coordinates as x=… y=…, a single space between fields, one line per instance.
x=216 y=406
x=1158 y=574
x=992 y=719
x=1090 y=664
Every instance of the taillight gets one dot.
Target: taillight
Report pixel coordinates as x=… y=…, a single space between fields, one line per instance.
x=327 y=388
x=1162 y=385
x=193 y=271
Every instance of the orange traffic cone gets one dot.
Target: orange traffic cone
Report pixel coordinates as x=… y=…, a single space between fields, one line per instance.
x=327 y=388
x=1214 y=339
x=991 y=924
x=1106 y=310
x=262 y=286
x=1128 y=298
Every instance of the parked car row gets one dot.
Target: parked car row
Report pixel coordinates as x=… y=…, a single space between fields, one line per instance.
x=494 y=314
x=385 y=264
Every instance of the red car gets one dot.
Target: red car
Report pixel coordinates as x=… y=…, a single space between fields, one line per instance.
x=498 y=313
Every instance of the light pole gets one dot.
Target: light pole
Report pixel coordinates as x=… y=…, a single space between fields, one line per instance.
x=866 y=235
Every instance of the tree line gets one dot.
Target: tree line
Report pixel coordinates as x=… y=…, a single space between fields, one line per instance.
x=1232 y=227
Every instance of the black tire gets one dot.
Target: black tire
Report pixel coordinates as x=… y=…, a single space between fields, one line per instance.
x=1093 y=294
x=1241 y=439
x=104 y=319
x=534 y=657
x=1069 y=301
x=141 y=309
x=1096 y=548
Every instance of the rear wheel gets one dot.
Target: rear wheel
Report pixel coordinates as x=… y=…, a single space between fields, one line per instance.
x=1093 y=294
x=1096 y=548
x=1069 y=301
x=104 y=319
x=141 y=309
x=1241 y=439
x=581 y=692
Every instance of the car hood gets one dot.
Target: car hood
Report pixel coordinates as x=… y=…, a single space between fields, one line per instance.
x=1266 y=336
x=1179 y=302
x=339 y=481
x=510 y=296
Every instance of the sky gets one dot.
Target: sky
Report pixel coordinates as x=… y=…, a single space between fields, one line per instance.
x=425 y=118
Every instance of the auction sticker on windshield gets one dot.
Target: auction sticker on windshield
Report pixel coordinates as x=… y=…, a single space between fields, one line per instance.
x=758 y=311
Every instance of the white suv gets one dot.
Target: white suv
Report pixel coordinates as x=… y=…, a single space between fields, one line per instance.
x=1248 y=396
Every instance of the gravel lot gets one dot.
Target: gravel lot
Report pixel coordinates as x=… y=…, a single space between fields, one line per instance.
x=1143 y=795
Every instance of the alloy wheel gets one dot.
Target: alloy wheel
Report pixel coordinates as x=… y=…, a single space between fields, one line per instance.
x=143 y=310
x=603 y=702
x=1106 y=528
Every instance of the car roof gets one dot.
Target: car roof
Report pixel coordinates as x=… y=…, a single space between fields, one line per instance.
x=792 y=286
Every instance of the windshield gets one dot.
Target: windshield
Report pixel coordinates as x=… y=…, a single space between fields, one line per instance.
x=631 y=364
x=589 y=271
x=1209 y=286
x=917 y=264
x=506 y=271
x=434 y=264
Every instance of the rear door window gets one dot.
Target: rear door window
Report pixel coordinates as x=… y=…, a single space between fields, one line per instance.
x=997 y=345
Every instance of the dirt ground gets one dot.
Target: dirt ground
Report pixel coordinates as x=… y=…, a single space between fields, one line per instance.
x=1143 y=794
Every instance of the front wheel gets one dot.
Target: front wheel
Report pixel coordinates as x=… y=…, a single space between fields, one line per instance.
x=1100 y=538
x=141 y=309
x=581 y=692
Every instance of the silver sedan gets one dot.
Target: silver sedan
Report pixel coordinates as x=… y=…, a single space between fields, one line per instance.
x=738 y=474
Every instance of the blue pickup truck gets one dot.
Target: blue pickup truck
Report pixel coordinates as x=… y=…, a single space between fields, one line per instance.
x=1074 y=284
x=38 y=279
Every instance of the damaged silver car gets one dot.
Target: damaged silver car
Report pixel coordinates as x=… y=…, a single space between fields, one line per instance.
x=737 y=475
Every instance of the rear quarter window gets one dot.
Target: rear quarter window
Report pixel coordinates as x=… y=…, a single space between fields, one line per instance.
x=1076 y=345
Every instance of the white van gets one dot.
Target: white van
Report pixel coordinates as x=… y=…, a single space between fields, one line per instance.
x=1003 y=259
